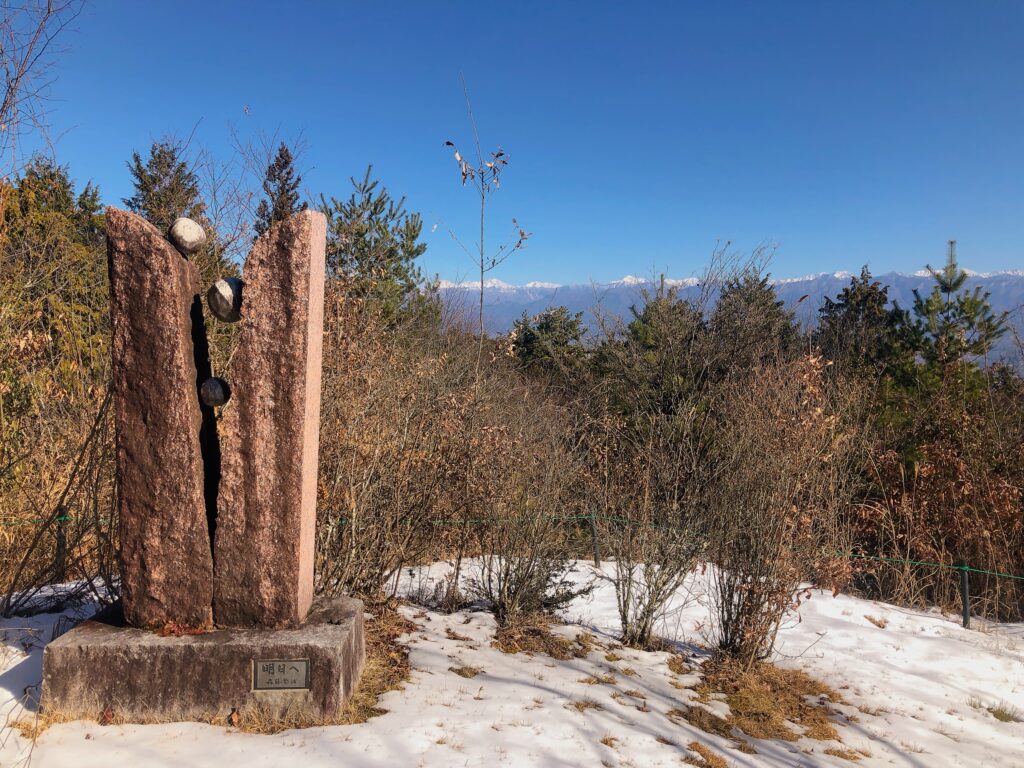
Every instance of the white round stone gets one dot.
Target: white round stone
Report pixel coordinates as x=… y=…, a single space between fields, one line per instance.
x=225 y=299
x=214 y=392
x=187 y=236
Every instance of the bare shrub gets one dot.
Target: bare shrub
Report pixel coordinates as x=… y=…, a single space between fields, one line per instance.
x=774 y=505
x=648 y=443
x=522 y=537
x=390 y=446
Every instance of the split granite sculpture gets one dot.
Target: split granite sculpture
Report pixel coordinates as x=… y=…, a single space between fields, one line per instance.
x=217 y=491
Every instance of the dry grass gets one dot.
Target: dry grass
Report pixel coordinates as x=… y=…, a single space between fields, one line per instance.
x=451 y=634
x=846 y=754
x=594 y=680
x=582 y=705
x=705 y=758
x=532 y=636
x=878 y=622
x=763 y=698
x=701 y=718
x=609 y=741
x=677 y=665
x=1005 y=713
x=612 y=656
x=467 y=672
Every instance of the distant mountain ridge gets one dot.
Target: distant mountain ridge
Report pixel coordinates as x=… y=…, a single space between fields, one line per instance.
x=504 y=303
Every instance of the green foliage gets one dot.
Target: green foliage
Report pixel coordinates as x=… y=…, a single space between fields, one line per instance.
x=281 y=185
x=750 y=324
x=952 y=324
x=54 y=325
x=165 y=186
x=551 y=342
x=659 y=364
x=373 y=244
x=857 y=331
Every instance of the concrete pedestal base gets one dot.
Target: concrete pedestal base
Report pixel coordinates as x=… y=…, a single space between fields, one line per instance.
x=306 y=673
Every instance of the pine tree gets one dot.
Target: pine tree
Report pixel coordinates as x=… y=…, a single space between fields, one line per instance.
x=951 y=323
x=165 y=187
x=857 y=330
x=373 y=244
x=750 y=324
x=281 y=186
x=550 y=342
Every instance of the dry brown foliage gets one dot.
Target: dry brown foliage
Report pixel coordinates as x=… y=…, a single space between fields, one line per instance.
x=764 y=697
x=783 y=482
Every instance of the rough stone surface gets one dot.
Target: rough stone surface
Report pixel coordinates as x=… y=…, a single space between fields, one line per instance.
x=266 y=512
x=142 y=676
x=225 y=299
x=166 y=563
x=188 y=236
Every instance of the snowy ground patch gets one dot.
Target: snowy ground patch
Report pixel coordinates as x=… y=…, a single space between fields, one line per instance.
x=920 y=691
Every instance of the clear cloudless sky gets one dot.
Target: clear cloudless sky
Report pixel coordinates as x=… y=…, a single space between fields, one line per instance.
x=639 y=134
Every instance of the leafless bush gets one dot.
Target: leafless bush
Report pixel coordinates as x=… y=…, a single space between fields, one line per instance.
x=653 y=425
x=522 y=536
x=62 y=547
x=390 y=444
x=775 y=503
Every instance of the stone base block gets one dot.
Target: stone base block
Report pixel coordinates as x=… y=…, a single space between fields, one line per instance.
x=303 y=674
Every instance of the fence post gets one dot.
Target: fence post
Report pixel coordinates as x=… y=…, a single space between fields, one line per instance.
x=965 y=595
x=593 y=538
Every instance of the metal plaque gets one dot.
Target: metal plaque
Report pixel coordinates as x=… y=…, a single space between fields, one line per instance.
x=280 y=674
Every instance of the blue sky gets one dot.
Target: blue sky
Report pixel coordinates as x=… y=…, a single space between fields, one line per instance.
x=639 y=134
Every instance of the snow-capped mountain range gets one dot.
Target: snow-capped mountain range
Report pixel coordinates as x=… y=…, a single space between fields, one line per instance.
x=504 y=303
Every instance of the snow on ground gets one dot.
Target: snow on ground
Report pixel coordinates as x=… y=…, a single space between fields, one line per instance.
x=918 y=689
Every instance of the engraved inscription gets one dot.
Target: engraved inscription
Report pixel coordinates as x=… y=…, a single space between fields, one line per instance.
x=280 y=674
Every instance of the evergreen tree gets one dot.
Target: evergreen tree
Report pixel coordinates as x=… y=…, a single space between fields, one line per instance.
x=857 y=330
x=281 y=185
x=165 y=187
x=951 y=323
x=373 y=244
x=89 y=215
x=750 y=324
x=549 y=343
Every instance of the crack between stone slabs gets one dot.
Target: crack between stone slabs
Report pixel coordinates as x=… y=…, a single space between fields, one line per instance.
x=209 y=442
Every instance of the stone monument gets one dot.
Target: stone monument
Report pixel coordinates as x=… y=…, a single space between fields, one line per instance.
x=217 y=493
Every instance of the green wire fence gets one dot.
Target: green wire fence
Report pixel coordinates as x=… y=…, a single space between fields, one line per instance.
x=963 y=568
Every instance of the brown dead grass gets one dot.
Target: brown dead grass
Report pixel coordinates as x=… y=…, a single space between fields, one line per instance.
x=701 y=718
x=582 y=705
x=762 y=698
x=846 y=754
x=706 y=758
x=532 y=636
x=881 y=623
x=596 y=679
x=467 y=672
x=677 y=665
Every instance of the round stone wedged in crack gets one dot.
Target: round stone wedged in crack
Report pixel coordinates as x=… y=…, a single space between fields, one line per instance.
x=214 y=392
x=225 y=299
x=187 y=236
